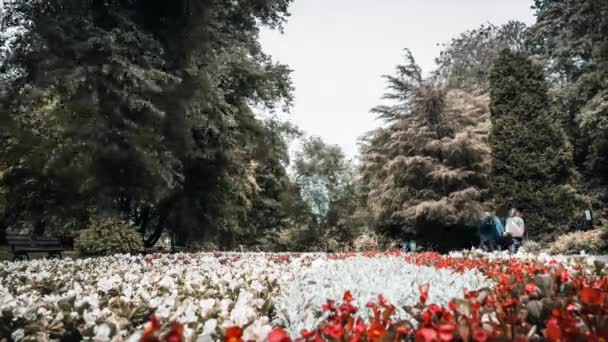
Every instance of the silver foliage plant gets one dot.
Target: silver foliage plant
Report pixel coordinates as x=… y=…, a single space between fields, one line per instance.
x=299 y=303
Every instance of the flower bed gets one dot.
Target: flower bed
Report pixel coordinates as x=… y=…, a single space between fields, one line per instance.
x=355 y=297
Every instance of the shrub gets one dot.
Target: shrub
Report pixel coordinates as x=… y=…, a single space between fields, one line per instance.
x=366 y=242
x=592 y=242
x=531 y=246
x=107 y=237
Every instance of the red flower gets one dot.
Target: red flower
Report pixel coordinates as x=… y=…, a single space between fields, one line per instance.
x=427 y=318
x=347 y=308
x=426 y=335
x=151 y=328
x=330 y=305
x=434 y=309
x=402 y=330
x=335 y=330
x=176 y=334
x=278 y=335
x=530 y=289
x=452 y=306
x=553 y=332
x=591 y=296
x=148 y=260
x=360 y=327
x=306 y=334
x=348 y=297
x=424 y=292
x=480 y=335
x=564 y=277
x=446 y=332
x=375 y=332
x=233 y=334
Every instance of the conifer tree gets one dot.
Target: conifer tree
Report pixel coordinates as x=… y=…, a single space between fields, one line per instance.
x=532 y=165
x=426 y=171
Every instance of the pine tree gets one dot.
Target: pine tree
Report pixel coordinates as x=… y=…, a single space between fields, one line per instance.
x=532 y=165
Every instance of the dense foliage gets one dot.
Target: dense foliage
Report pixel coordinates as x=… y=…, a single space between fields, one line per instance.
x=427 y=170
x=143 y=111
x=466 y=61
x=571 y=37
x=107 y=236
x=532 y=166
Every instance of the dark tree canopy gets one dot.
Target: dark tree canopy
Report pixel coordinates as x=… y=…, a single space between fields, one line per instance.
x=571 y=36
x=141 y=109
x=532 y=164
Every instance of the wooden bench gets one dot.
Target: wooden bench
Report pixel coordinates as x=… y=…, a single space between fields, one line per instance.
x=22 y=245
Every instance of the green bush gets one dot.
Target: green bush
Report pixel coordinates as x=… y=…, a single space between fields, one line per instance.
x=107 y=237
x=531 y=246
x=592 y=242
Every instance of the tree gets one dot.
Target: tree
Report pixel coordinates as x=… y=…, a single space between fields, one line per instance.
x=532 y=165
x=572 y=37
x=466 y=60
x=327 y=183
x=140 y=109
x=427 y=170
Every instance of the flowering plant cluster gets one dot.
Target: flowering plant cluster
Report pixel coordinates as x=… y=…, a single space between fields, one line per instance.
x=530 y=300
x=306 y=297
x=112 y=298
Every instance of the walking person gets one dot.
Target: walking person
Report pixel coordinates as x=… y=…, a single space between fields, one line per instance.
x=515 y=229
x=490 y=231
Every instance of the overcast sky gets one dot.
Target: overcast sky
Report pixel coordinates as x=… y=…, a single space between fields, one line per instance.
x=338 y=50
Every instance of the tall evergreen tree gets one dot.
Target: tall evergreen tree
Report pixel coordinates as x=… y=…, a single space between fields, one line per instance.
x=426 y=172
x=532 y=165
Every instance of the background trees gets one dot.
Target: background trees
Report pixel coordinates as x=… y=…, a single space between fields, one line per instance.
x=466 y=60
x=149 y=112
x=139 y=109
x=572 y=38
x=532 y=165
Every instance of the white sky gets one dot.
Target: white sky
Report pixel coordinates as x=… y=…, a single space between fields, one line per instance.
x=338 y=50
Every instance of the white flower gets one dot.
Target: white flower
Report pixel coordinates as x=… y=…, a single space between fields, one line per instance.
x=206 y=305
x=163 y=311
x=166 y=282
x=204 y=338
x=189 y=315
x=209 y=327
x=106 y=284
x=258 y=331
x=135 y=337
x=102 y=333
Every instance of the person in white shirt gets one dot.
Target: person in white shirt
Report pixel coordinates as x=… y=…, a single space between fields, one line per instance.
x=516 y=229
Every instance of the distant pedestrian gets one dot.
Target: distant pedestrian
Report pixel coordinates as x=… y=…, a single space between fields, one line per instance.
x=515 y=228
x=490 y=232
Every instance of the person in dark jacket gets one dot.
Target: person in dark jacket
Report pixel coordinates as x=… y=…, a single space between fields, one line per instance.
x=490 y=232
